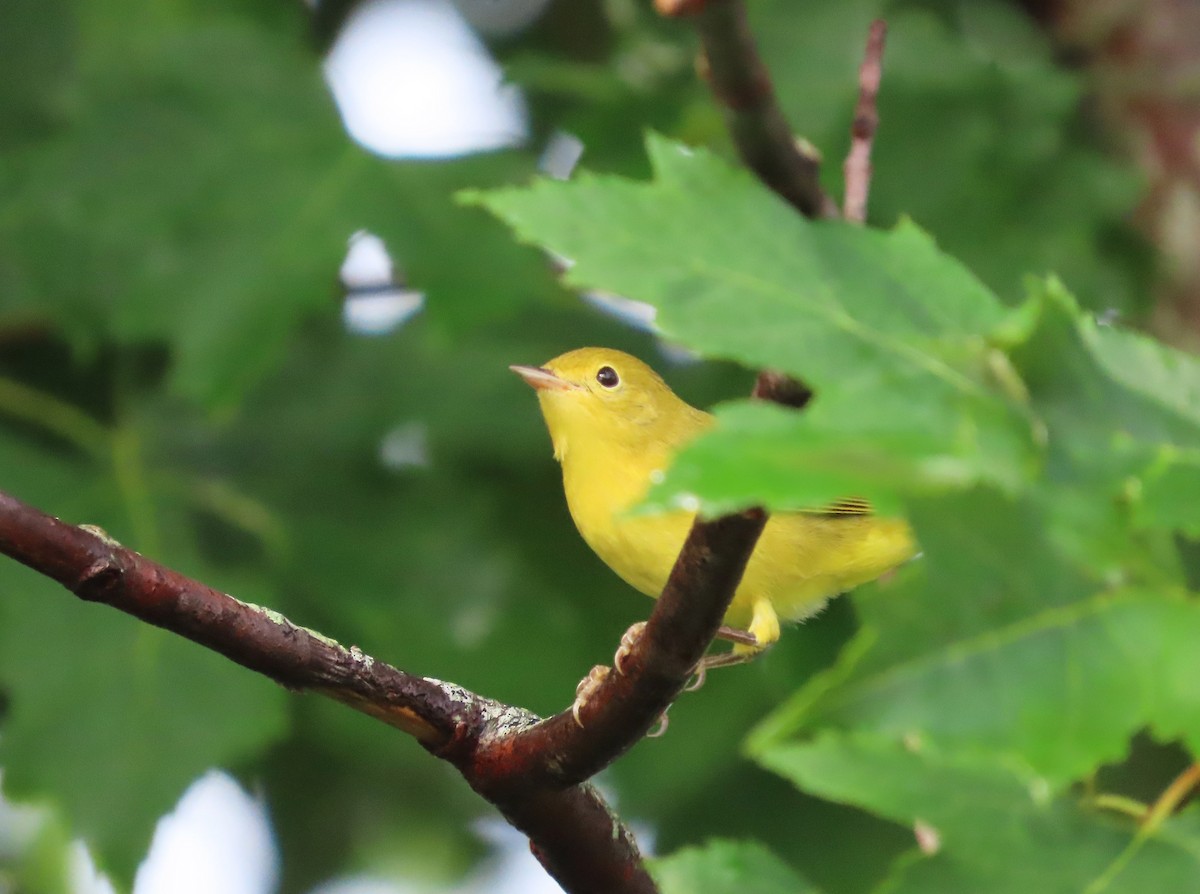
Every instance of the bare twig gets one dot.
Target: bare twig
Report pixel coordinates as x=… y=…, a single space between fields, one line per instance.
x=571 y=830
x=857 y=168
x=741 y=84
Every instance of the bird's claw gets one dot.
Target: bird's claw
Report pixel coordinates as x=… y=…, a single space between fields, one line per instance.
x=628 y=640
x=747 y=649
x=586 y=689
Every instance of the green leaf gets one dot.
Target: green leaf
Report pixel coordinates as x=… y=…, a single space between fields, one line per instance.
x=727 y=867
x=891 y=333
x=717 y=250
x=1047 y=628
x=986 y=827
x=1001 y=647
x=1117 y=410
x=1169 y=495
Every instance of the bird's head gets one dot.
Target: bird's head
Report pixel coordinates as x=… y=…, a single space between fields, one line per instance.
x=609 y=399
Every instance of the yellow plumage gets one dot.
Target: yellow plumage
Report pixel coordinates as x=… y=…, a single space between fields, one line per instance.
x=616 y=425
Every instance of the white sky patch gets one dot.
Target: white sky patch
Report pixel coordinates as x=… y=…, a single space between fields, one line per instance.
x=82 y=874
x=637 y=314
x=218 y=838
x=19 y=826
x=411 y=79
x=367 y=262
x=378 y=313
x=561 y=155
x=375 y=302
x=676 y=354
x=510 y=870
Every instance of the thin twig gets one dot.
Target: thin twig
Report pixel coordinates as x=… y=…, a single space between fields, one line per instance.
x=730 y=63
x=857 y=168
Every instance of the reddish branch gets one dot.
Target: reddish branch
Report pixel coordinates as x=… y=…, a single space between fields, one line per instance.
x=622 y=710
x=857 y=169
x=532 y=771
x=741 y=84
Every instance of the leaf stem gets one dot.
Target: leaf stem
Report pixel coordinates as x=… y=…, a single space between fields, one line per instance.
x=1170 y=799
x=1119 y=804
x=1151 y=821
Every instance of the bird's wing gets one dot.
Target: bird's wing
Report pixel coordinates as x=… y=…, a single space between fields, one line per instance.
x=851 y=507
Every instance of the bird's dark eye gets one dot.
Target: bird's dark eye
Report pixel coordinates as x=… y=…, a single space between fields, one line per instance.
x=607 y=376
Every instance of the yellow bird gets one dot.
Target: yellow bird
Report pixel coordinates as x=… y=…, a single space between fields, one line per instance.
x=616 y=426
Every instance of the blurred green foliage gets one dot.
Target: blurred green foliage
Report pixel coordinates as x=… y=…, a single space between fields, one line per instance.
x=176 y=192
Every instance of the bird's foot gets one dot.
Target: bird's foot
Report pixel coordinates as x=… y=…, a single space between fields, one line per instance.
x=737 y=635
x=586 y=689
x=746 y=648
x=628 y=640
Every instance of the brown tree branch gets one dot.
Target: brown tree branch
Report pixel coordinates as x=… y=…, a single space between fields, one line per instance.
x=579 y=841
x=625 y=706
x=730 y=63
x=532 y=771
x=856 y=171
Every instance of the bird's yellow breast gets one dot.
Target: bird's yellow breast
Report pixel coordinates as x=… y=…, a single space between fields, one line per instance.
x=640 y=548
x=800 y=561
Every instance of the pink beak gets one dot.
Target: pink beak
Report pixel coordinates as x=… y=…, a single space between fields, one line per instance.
x=542 y=379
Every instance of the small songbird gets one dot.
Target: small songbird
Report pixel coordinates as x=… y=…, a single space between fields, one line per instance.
x=616 y=425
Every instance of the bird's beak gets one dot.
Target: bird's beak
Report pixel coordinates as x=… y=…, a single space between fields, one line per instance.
x=542 y=379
